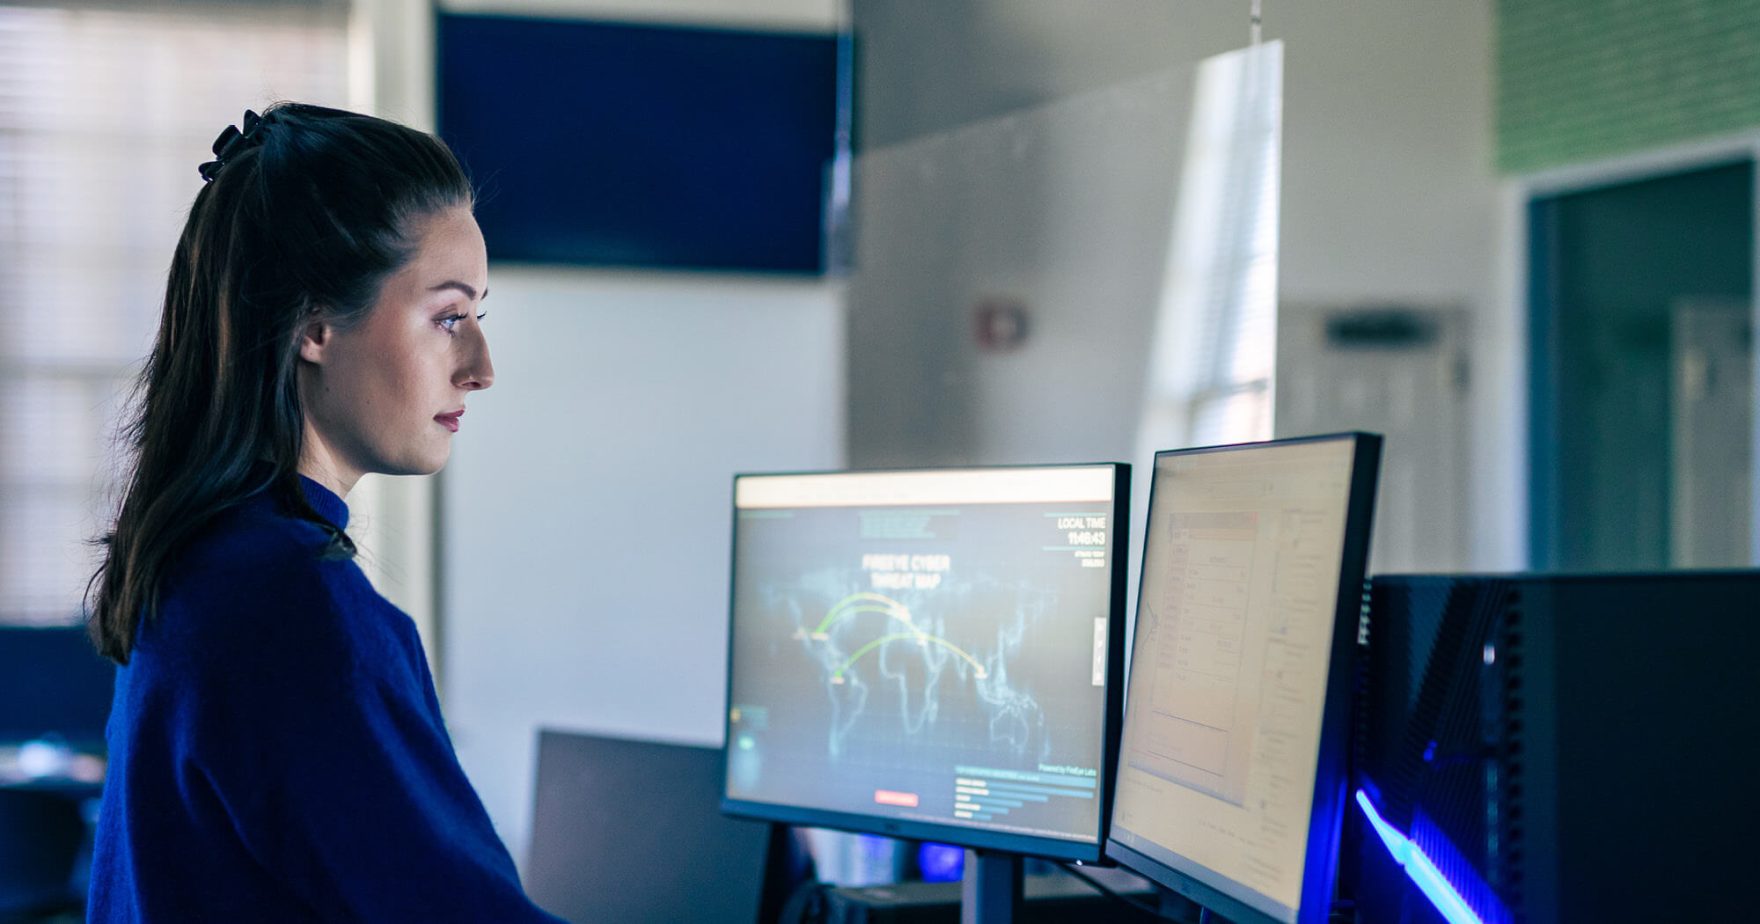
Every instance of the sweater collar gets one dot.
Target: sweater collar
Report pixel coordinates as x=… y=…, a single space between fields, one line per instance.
x=326 y=503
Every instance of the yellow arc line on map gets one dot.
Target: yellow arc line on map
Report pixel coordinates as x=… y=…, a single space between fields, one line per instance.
x=920 y=638
x=875 y=603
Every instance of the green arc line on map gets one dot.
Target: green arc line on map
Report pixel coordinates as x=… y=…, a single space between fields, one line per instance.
x=921 y=638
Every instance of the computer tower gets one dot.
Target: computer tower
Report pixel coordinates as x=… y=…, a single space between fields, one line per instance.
x=1566 y=748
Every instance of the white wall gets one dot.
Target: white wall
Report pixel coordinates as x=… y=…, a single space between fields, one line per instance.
x=585 y=512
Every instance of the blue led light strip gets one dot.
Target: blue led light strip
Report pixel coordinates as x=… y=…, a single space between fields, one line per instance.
x=1419 y=867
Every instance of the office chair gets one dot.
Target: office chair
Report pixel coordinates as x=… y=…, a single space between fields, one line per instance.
x=41 y=833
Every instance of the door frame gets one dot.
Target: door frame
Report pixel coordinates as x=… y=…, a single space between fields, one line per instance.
x=1529 y=317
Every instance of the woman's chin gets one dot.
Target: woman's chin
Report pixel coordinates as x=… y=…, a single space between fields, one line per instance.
x=427 y=464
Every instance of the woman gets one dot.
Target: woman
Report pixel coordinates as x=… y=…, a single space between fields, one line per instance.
x=276 y=749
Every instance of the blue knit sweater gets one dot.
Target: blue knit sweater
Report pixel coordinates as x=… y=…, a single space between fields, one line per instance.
x=277 y=752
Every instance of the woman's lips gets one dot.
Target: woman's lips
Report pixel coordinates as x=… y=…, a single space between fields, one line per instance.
x=449 y=420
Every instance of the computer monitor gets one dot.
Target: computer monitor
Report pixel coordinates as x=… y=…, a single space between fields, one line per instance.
x=629 y=831
x=929 y=654
x=1231 y=774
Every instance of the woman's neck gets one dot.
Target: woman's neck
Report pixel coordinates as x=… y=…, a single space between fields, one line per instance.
x=320 y=463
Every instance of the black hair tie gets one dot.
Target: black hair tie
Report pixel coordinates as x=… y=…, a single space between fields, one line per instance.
x=231 y=141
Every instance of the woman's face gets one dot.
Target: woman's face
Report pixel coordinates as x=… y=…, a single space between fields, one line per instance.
x=385 y=395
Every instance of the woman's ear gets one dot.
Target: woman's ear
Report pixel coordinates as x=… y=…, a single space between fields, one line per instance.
x=313 y=340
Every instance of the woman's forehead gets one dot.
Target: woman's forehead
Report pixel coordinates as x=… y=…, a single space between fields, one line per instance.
x=450 y=255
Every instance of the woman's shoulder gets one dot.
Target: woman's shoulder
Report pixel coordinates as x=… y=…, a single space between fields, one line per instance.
x=255 y=542
x=257 y=574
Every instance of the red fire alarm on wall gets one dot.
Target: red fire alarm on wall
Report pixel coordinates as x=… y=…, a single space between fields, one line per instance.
x=1000 y=324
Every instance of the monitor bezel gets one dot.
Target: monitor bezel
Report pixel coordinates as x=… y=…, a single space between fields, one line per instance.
x=976 y=838
x=1320 y=859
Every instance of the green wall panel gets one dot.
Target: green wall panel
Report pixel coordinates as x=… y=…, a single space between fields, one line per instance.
x=1579 y=80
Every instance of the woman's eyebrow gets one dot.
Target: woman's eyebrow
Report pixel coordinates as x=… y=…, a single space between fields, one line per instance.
x=469 y=292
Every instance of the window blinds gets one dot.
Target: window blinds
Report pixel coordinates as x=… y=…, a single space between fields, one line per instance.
x=105 y=113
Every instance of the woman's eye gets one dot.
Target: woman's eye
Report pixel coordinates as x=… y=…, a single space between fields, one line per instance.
x=450 y=322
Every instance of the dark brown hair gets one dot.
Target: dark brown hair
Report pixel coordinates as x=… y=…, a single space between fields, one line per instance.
x=304 y=220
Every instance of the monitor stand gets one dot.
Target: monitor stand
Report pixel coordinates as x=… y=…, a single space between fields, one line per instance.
x=991 y=889
x=1176 y=907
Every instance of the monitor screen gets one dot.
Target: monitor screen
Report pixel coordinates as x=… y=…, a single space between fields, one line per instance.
x=929 y=653
x=1233 y=745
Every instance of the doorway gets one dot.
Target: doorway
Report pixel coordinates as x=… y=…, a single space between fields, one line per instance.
x=1399 y=370
x=1642 y=409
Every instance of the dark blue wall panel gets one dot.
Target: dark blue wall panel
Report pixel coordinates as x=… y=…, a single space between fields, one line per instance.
x=642 y=146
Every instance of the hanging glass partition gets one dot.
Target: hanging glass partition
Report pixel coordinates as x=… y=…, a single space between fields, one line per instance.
x=1091 y=278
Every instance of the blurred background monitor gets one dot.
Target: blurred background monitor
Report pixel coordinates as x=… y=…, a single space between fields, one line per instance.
x=1232 y=771
x=628 y=831
x=929 y=654
x=52 y=682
